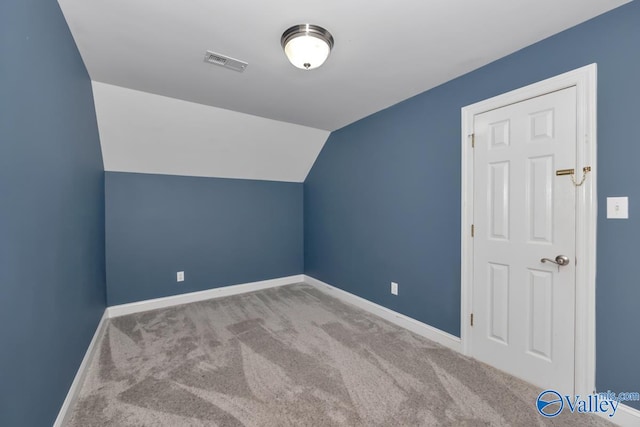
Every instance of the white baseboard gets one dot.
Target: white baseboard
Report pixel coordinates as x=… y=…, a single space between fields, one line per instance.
x=625 y=416
x=225 y=291
x=72 y=394
x=415 y=326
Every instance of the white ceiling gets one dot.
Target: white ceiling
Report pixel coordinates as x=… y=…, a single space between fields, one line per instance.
x=385 y=51
x=147 y=133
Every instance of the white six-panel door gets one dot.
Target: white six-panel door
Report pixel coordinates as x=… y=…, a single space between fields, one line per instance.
x=524 y=310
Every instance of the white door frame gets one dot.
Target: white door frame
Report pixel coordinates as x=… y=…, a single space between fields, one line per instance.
x=585 y=81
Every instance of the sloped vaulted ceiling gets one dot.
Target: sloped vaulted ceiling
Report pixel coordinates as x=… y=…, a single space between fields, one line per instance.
x=384 y=53
x=148 y=133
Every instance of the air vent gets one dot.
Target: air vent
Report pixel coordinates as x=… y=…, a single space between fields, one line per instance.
x=225 y=61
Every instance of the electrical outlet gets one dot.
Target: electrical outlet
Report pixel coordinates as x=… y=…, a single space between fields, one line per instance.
x=180 y=276
x=394 y=288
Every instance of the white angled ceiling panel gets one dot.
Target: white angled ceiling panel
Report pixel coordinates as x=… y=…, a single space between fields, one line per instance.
x=147 y=133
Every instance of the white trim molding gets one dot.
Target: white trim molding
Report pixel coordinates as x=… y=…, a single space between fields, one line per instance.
x=406 y=322
x=585 y=81
x=78 y=380
x=625 y=416
x=225 y=291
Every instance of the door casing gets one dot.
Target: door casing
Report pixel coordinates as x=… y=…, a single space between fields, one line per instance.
x=585 y=81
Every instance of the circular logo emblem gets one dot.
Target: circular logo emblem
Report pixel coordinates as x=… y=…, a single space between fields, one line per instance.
x=549 y=403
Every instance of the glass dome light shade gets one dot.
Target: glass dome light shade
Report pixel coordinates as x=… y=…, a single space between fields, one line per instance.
x=307 y=46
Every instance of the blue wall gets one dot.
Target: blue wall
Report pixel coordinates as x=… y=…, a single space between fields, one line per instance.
x=52 y=273
x=382 y=201
x=218 y=231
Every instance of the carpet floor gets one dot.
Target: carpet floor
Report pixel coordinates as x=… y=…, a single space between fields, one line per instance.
x=291 y=356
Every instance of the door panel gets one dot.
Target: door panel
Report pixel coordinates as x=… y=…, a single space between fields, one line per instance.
x=540 y=215
x=523 y=308
x=540 y=317
x=499 y=308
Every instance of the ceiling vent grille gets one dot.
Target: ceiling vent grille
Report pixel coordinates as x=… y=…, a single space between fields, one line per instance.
x=225 y=61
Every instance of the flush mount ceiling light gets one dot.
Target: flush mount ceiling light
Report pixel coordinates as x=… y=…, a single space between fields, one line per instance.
x=307 y=46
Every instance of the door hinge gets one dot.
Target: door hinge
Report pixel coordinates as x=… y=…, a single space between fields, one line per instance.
x=471 y=319
x=473 y=230
x=473 y=140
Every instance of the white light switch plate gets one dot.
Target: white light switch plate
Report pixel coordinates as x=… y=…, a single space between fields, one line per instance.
x=180 y=276
x=618 y=207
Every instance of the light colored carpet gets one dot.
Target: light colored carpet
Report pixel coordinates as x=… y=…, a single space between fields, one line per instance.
x=291 y=356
